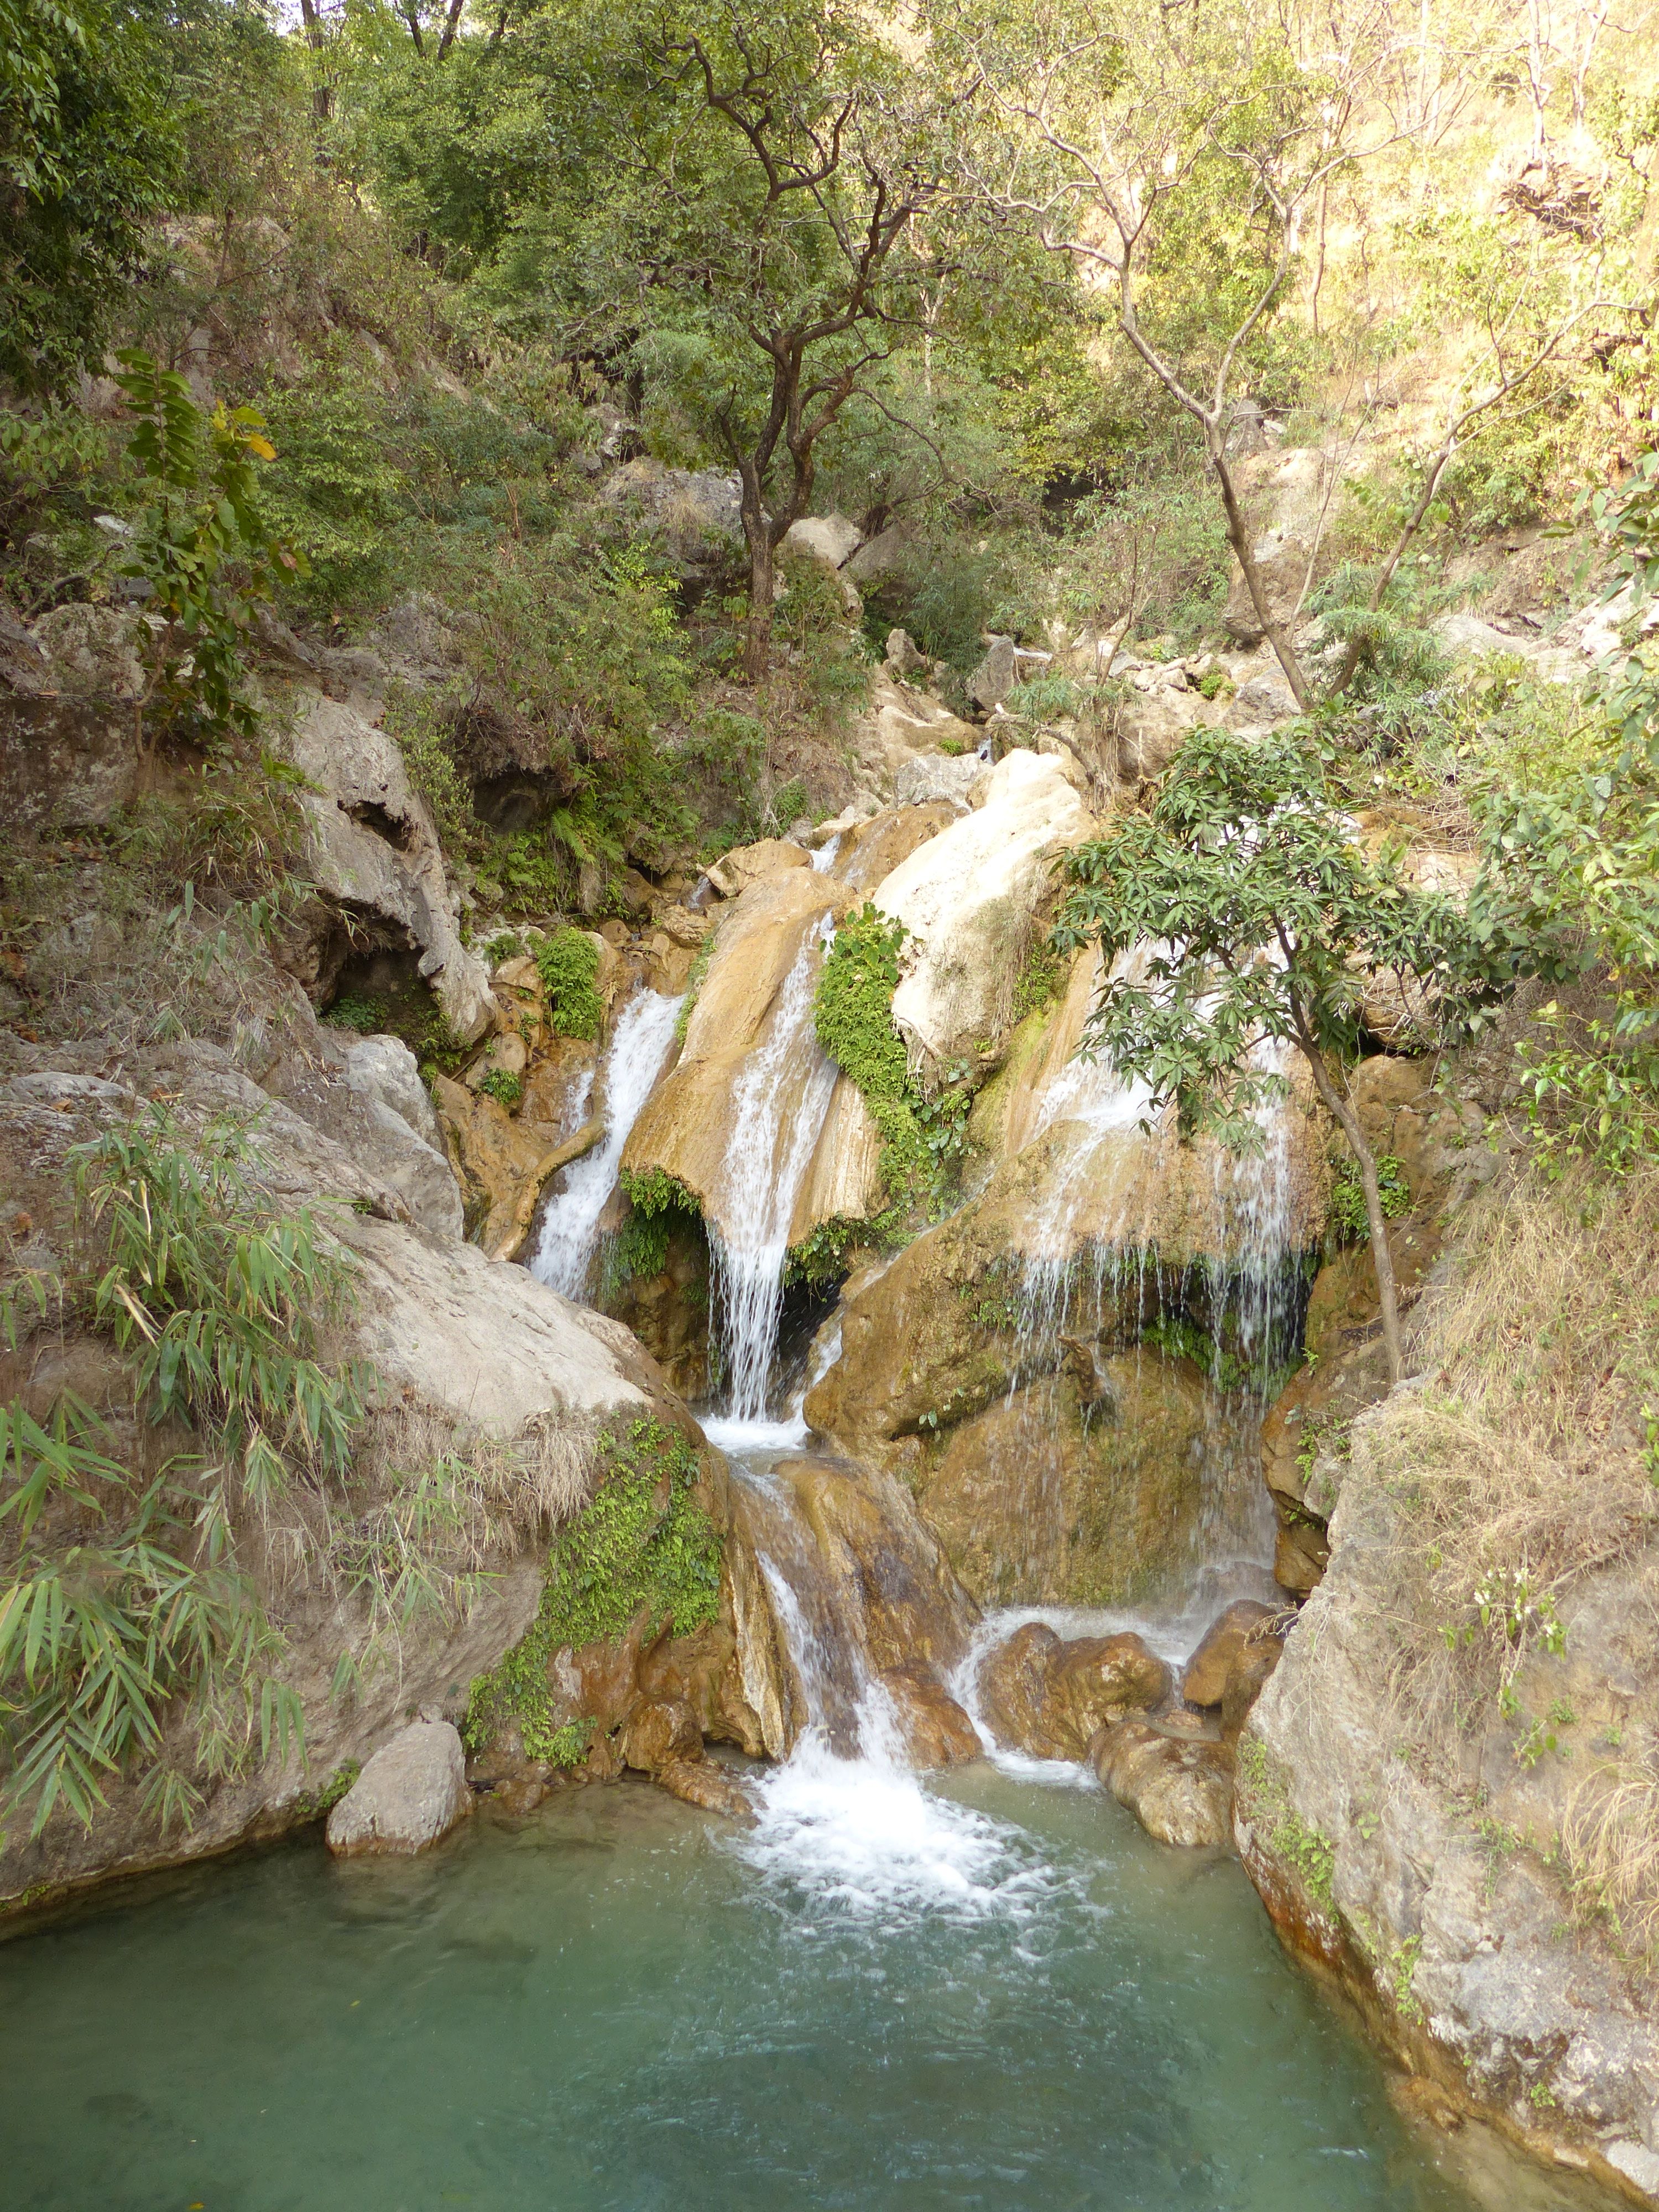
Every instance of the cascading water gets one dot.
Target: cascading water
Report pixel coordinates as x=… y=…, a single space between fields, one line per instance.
x=780 y=1102
x=570 y=1227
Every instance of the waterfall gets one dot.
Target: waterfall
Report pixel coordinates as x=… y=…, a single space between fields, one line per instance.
x=779 y=1101
x=633 y=1061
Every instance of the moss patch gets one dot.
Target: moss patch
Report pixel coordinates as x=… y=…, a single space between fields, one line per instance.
x=641 y=1546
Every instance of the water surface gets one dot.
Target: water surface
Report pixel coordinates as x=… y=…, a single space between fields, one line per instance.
x=1004 y=1997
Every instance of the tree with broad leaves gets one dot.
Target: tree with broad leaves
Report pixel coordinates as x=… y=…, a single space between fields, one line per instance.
x=1262 y=914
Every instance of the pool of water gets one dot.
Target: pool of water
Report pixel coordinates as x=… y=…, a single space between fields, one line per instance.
x=998 y=1995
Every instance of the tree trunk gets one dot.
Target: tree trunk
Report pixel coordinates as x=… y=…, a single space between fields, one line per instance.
x=758 y=650
x=1238 y=537
x=1382 y=1258
x=322 y=100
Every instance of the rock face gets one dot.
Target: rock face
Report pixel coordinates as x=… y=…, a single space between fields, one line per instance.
x=1050 y=1697
x=411 y=1793
x=1415 y=1878
x=967 y=895
x=1181 y=1792
x=1212 y=1665
x=375 y=852
x=933 y=1730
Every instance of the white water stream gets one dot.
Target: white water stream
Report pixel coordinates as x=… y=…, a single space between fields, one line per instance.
x=780 y=1102
x=634 y=1060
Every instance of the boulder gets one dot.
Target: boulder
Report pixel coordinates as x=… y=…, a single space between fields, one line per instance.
x=734 y=872
x=407 y=1148
x=659 y=1732
x=1050 y=1697
x=374 y=852
x=696 y=514
x=94 y=651
x=384 y=1070
x=1248 y=1675
x=411 y=1793
x=883 y=558
x=904 y=657
x=829 y=539
x=1205 y=1680
x=933 y=1730
x=996 y=675
x=708 y=1785
x=504 y=1164
x=967 y=895
x=898 y=722
x=1180 y=1792
x=67 y=761
x=935 y=776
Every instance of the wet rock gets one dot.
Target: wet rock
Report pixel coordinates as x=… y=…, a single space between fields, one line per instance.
x=934 y=1730
x=504 y=1163
x=1205 y=1681
x=1181 y=1792
x=1050 y=1697
x=413 y=1792
x=705 y=1784
x=661 y=1732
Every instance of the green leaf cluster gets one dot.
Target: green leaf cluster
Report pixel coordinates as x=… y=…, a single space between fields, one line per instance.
x=1348 y=1219
x=642 y=1550
x=568 y=963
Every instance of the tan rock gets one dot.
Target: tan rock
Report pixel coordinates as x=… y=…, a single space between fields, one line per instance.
x=659 y=1732
x=1205 y=1680
x=411 y=1793
x=733 y=873
x=682 y=927
x=869 y=851
x=1180 y=1792
x=708 y=1785
x=1248 y=1677
x=502 y=1164
x=933 y=1728
x=1051 y=1696
x=844 y=1180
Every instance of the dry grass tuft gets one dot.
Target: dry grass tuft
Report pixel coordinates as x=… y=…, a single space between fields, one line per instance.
x=1610 y=1845
x=1525 y=1463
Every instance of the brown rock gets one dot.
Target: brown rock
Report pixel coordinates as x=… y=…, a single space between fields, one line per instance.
x=703 y=1782
x=682 y=927
x=933 y=1726
x=1013 y=1682
x=1050 y=1698
x=754 y=864
x=1245 y=1683
x=1095 y=1680
x=1302 y=1553
x=1205 y=1680
x=1181 y=1792
x=661 y=1733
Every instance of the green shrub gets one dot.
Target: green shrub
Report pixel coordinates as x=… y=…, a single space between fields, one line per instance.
x=642 y=1549
x=363 y=1015
x=1349 y=1223
x=503 y=1086
x=852 y=1009
x=568 y=963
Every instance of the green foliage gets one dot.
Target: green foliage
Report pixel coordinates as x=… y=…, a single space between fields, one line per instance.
x=642 y=1549
x=365 y=1015
x=1348 y=1217
x=654 y=1191
x=1042 y=978
x=503 y=1086
x=820 y=1259
x=201 y=545
x=1263 y=911
x=90 y=150
x=568 y=963
x=852 y=1009
x=220 y=1311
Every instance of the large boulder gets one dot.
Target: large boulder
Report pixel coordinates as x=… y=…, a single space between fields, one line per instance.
x=1180 y=1789
x=1218 y=1650
x=1050 y=1697
x=375 y=855
x=410 y=1794
x=933 y=1729
x=407 y=1145
x=967 y=898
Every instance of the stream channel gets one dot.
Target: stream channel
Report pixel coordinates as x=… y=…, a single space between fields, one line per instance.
x=985 y=1989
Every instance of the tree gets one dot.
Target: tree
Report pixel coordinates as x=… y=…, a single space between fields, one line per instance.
x=789 y=173
x=1261 y=915
x=1137 y=141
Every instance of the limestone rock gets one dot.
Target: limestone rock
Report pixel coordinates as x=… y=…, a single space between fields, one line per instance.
x=384 y=1069
x=94 y=651
x=411 y=1793
x=904 y=657
x=1247 y=1678
x=1181 y=1792
x=935 y=776
x=897 y=723
x=1205 y=1680
x=1050 y=1697
x=705 y=1784
x=68 y=762
x=932 y=1728
x=996 y=675
x=694 y=513
x=409 y=1150
x=734 y=872
x=659 y=1732
x=830 y=539
x=967 y=895
x=883 y=556
x=504 y=1162
x=375 y=851
x=871 y=849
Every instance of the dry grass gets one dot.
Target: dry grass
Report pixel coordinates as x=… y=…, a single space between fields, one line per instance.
x=1610 y=1848
x=1523 y=1465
